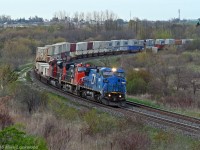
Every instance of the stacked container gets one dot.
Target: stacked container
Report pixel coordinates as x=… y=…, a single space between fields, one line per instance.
x=72 y=50
x=185 y=41
x=90 y=47
x=41 y=67
x=123 y=45
x=81 y=48
x=160 y=43
x=108 y=46
x=57 y=48
x=169 y=41
x=115 y=45
x=150 y=43
x=97 y=46
x=133 y=45
x=41 y=54
x=178 y=42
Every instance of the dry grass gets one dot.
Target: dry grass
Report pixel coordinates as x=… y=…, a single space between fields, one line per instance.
x=62 y=132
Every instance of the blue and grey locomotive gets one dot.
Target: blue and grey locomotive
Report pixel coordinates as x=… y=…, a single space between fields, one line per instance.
x=107 y=85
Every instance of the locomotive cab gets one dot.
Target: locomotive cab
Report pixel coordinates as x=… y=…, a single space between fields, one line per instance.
x=108 y=85
x=114 y=86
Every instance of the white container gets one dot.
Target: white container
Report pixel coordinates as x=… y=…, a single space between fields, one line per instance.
x=103 y=47
x=115 y=44
x=160 y=41
x=39 y=63
x=49 y=50
x=45 y=71
x=64 y=47
x=41 y=67
x=108 y=46
x=57 y=48
x=132 y=42
x=81 y=48
x=185 y=41
x=97 y=46
x=169 y=41
x=123 y=45
x=141 y=42
x=150 y=42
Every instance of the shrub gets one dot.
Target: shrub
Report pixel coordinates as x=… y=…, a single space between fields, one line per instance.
x=136 y=86
x=92 y=120
x=180 y=99
x=5 y=120
x=30 y=99
x=137 y=81
x=187 y=57
x=13 y=138
x=192 y=45
x=134 y=140
x=99 y=123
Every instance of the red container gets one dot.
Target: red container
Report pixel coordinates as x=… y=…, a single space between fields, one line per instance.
x=178 y=42
x=89 y=45
x=72 y=47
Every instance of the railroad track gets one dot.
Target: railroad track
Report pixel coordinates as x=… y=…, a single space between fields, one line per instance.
x=182 y=122
x=174 y=120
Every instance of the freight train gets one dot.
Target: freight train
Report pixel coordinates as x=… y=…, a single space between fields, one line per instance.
x=54 y=65
x=103 y=84
x=71 y=51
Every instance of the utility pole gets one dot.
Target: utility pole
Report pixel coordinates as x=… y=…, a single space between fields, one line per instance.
x=179 y=15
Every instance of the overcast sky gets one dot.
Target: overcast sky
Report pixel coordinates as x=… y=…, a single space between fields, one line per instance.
x=143 y=9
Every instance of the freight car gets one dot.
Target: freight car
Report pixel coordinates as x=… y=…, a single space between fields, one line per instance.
x=71 y=51
x=102 y=84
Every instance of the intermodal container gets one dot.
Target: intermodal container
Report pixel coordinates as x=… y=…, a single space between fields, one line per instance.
x=89 y=45
x=72 y=47
x=123 y=45
x=115 y=44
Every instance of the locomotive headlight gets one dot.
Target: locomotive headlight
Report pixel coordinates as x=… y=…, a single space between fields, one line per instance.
x=114 y=69
x=120 y=96
x=123 y=82
x=109 y=95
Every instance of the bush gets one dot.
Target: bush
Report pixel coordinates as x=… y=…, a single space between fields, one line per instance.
x=136 y=86
x=99 y=123
x=30 y=99
x=192 y=45
x=186 y=56
x=134 y=140
x=137 y=81
x=5 y=120
x=180 y=99
x=13 y=138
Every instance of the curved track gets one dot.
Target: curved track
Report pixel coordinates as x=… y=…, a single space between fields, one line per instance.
x=176 y=120
x=186 y=124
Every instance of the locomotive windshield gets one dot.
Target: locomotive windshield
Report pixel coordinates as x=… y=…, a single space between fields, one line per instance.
x=119 y=74
x=81 y=69
x=107 y=74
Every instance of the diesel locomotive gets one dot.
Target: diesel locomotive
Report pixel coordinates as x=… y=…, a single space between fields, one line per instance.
x=102 y=84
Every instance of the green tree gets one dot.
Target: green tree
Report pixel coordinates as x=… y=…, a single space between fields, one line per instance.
x=14 y=138
x=163 y=34
x=7 y=76
x=15 y=53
